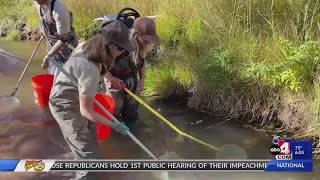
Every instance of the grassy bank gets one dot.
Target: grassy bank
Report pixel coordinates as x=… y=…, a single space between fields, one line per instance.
x=250 y=58
x=19 y=20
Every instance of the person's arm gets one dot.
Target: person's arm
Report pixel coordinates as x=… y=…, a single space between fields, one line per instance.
x=88 y=77
x=108 y=76
x=116 y=82
x=86 y=109
x=62 y=20
x=56 y=48
x=141 y=72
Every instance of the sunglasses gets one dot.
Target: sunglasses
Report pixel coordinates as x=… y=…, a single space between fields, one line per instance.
x=118 y=47
x=124 y=52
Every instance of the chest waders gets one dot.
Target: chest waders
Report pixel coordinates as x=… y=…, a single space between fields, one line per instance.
x=50 y=32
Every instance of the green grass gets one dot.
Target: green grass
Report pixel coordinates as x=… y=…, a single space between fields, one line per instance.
x=250 y=58
x=13 y=35
x=242 y=56
x=16 y=13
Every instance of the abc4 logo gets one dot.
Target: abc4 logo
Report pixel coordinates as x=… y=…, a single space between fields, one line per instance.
x=280 y=148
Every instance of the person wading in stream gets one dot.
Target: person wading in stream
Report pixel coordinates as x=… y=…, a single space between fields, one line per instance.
x=72 y=106
x=143 y=36
x=56 y=26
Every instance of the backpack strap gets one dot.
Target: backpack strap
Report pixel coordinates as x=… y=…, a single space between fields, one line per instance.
x=127 y=16
x=51 y=11
x=52 y=8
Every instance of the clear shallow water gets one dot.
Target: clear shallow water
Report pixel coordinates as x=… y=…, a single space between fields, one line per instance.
x=22 y=136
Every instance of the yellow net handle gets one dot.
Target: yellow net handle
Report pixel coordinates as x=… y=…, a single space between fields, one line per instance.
x=168 y=122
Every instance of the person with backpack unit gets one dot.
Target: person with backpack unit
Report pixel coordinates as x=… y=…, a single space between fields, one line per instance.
x=56 y=26
x=72 y=105
x=127 y=67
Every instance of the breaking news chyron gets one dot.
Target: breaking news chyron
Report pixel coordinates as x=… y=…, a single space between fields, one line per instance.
x=290 y=156
x=132 y=165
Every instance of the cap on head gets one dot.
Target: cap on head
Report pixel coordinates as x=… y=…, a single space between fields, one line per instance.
x=118 y=33
x=147 y=27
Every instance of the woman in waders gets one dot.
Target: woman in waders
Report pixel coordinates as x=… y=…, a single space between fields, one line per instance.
x=72 y=106
x=56 y=26
x=143 y=36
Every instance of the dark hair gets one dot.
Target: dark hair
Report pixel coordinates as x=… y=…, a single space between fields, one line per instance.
x=98 y=51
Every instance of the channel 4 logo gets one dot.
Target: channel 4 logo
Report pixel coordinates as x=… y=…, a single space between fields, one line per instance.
x=281 y=149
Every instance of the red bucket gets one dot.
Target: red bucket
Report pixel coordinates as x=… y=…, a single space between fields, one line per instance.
x=42 y=85
x=103 y=132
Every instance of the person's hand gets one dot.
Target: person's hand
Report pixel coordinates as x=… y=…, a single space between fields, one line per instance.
x=120 y=127
x=117 y=83
x=140 y=86
x=45 y=62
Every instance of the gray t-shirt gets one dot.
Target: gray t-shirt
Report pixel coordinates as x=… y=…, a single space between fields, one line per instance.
x=64 y=93
x=60 y=15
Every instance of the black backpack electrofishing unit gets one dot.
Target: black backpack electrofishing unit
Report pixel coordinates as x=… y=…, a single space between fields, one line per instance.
x=126 y=17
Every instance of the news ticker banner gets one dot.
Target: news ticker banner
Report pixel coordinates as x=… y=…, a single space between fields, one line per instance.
x=290 y=156
x=155 y=165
